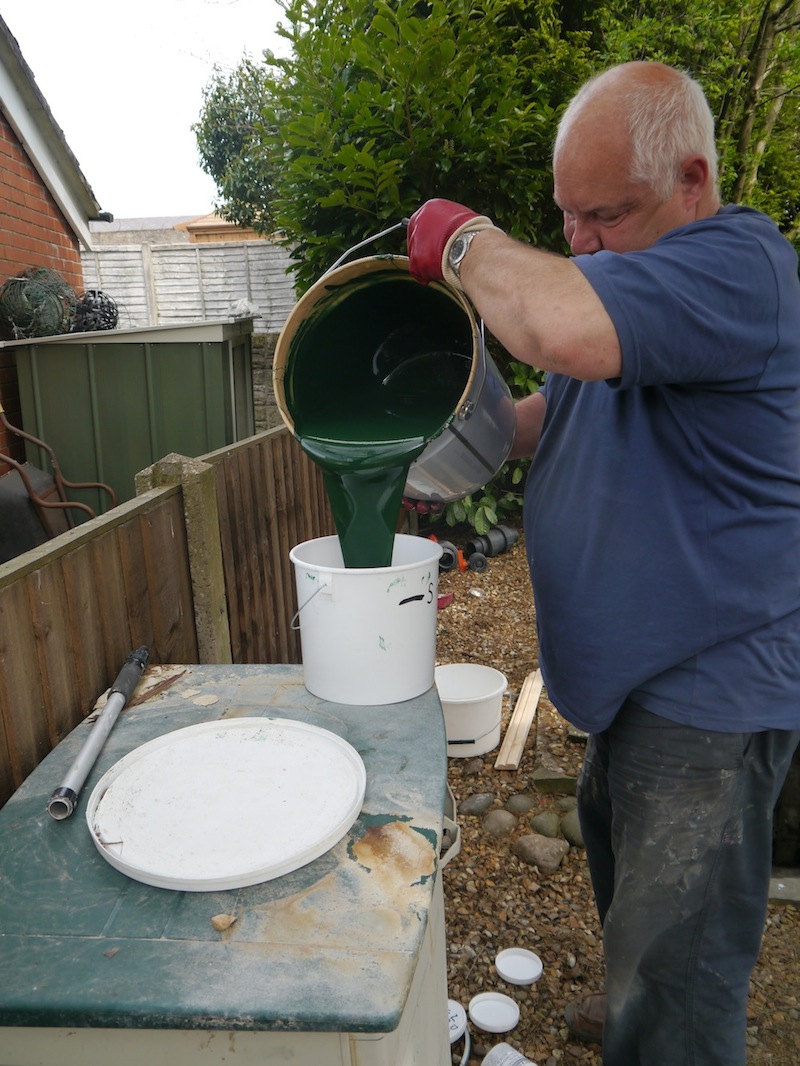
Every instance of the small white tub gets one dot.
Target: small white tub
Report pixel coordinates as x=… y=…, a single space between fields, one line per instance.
x=472 y=700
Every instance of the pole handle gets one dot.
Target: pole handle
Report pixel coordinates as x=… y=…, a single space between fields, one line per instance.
x=128 y=677
x=63 y=800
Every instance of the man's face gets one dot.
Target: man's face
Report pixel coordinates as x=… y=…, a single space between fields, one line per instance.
x=602 y=207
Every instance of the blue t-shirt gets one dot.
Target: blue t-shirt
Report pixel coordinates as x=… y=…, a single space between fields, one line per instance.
x=662 y=510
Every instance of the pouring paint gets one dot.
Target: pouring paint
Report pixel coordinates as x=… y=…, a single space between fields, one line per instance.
x=371 y=380
x=370 y=368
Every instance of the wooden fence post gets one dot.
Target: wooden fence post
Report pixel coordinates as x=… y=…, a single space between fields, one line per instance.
x=196 y=479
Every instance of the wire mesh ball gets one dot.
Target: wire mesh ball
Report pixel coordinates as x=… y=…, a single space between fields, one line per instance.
x=37 y=302
x=95 y=310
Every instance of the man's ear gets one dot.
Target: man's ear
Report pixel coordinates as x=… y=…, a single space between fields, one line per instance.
x=694 y=178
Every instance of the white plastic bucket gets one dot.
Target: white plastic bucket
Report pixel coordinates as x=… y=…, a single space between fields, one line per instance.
x=472 y=700
x=368 y=635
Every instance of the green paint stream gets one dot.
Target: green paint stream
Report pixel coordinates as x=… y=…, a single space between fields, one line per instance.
x=373 y=378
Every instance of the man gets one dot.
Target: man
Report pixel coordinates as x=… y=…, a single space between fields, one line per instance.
x=662 y=521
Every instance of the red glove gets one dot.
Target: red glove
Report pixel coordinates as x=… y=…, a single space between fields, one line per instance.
x=431 y=230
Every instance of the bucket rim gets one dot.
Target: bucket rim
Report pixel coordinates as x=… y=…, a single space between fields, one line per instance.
x=435 y=555
x=323 y=288
x=498 y=690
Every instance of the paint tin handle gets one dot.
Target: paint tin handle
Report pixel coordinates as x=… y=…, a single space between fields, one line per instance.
x=402 y=224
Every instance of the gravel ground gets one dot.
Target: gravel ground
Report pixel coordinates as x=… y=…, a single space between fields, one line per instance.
x=493 y=900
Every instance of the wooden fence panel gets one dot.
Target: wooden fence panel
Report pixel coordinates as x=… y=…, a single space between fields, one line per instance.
x=173 y=283
x=24 y=716
x=72 y=610
x=49 y=614
x=163 y=536
x=281 y=600
x=270 y=497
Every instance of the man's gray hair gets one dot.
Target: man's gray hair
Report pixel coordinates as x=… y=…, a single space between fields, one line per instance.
x=668 y=120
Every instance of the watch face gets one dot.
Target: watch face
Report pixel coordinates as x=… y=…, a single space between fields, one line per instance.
x=458 y=250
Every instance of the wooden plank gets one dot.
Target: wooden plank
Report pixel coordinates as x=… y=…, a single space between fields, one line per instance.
x=81 y=602
x=510 y=754
x=278 y=609
x=138 y=595
x=21 y=706
x=111 y=608
x=281 y=598
x=293 y=530
x=241 y=624
x=169 y=584
x=56 y=649
x=250 y=556
x=226 y=525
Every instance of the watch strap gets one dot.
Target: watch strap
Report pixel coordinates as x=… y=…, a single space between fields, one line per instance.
x=475 y=225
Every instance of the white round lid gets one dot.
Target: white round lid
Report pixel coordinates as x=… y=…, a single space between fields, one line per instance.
x=226 y=804
x=519 y=966
x=456 y=1020
x=493 y=1012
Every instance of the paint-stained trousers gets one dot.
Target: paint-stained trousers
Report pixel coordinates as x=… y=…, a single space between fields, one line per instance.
x=678 y=829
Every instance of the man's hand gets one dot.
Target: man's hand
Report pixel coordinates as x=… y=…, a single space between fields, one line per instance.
x=431 y=231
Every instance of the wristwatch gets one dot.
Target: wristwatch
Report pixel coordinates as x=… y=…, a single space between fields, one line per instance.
x=458 y=249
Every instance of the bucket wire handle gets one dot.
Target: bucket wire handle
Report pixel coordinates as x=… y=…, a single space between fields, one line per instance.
x=296 y=614
x=402 y=224
x=474 y=740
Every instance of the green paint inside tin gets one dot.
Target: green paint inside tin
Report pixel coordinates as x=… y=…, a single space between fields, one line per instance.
x=372 y=375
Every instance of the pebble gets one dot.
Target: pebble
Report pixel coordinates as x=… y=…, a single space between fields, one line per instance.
x=546 y=822
x=543 y=852
x=479 y=803
x=520 y=803
x=499 y=823
x=571 y=828
x=473 y=766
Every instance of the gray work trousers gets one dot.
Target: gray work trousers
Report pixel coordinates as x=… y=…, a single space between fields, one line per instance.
x=678 y=829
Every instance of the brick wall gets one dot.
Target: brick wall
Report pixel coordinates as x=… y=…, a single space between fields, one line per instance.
x=33 y=232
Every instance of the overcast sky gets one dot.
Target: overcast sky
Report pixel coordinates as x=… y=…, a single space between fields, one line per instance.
x=124 y=81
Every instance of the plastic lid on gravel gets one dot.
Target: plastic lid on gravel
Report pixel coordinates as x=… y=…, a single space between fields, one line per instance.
x=518 y=966
x=493 y=1012
x=456 y=1020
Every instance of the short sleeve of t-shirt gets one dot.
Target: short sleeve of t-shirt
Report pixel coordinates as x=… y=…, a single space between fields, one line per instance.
x=698 y=306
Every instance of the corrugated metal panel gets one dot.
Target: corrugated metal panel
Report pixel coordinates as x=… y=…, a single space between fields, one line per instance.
x=137 y=395
x=169 y=284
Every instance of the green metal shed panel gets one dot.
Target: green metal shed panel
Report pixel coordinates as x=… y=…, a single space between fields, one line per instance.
x=111 y=403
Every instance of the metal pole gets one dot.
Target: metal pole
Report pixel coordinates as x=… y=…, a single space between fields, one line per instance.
x=62 y=802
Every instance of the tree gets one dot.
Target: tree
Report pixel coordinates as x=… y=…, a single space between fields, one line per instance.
x=228 y=140
x=382 y=105
x=385 y=103
x=747 y=56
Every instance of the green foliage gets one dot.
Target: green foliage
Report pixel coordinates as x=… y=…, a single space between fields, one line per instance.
x=746 y=54
x=383 y=104
x=228 y=139
x=498 y=501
